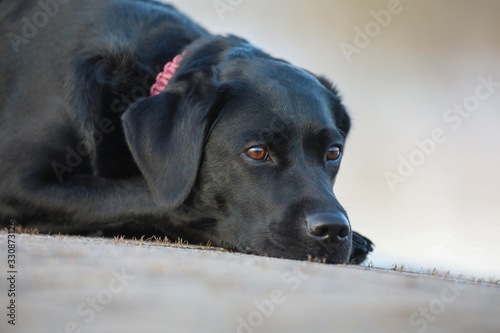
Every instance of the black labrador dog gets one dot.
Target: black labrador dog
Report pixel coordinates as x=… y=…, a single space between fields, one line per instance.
x=235 y=147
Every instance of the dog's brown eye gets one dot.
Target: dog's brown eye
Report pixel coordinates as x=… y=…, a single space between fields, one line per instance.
x=333 y=153
x=257 y=153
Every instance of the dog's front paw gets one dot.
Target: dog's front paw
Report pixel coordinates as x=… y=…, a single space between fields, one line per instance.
x=361 y=247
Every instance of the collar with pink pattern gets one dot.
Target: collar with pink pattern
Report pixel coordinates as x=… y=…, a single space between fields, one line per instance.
x=164 y=77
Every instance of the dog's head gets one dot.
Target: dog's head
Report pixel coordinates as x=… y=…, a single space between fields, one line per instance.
x=246 y=148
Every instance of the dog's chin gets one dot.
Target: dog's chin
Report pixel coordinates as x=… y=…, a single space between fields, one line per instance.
x=339 y=255
x=283 y=249
x=319 y=253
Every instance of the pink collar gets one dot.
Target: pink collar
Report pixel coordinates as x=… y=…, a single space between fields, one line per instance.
x=164 y=77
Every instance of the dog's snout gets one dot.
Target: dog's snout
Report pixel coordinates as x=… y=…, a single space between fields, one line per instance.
x=333 y=227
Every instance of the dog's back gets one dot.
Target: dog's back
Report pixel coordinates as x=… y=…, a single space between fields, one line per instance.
x=59 y=60
x=43 y=37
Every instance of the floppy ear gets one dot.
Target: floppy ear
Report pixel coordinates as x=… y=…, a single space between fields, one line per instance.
x=166 y=135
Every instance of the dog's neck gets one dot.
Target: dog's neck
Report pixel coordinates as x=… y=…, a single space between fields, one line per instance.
x=164 y=77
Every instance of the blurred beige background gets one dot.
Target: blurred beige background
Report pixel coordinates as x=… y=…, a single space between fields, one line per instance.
x=418 y=64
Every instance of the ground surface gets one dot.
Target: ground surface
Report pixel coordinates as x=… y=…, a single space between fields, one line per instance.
x=70 y=284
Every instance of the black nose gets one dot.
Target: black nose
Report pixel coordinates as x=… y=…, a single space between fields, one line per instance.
x=329 y=226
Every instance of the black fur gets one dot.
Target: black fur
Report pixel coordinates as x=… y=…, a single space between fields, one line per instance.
x=85 y=148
